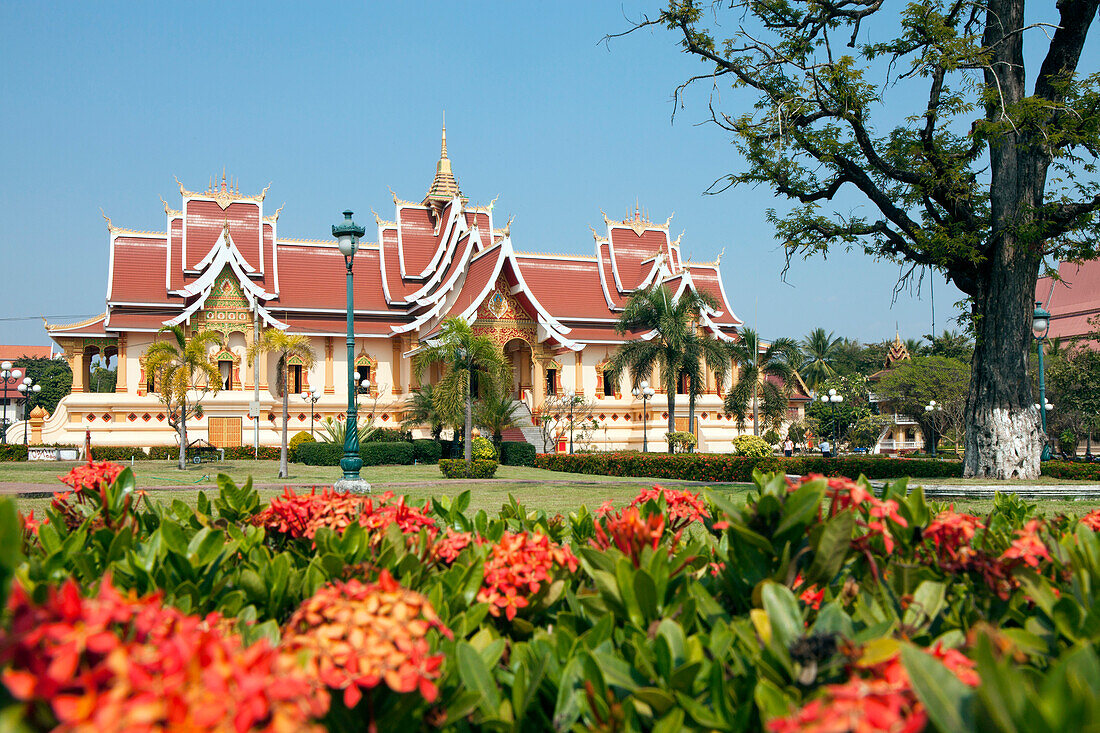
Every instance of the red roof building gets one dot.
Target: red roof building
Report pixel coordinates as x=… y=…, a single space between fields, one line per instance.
x=1073 y=300
x=221 y=264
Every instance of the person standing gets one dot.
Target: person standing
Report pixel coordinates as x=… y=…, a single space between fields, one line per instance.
x=826 y=449
x=788 y=447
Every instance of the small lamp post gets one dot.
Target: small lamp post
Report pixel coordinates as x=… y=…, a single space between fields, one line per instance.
x=932 y=408
x=311 y=397
x=833 y=399
x=28 y=389
x=646 y=392
x=347 y=234
x=1040 y=324
x=9 y=376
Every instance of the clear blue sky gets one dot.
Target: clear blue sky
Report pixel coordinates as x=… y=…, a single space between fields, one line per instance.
x=104 y=103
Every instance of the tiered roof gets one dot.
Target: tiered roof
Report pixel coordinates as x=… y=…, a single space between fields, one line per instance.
x=437 y=258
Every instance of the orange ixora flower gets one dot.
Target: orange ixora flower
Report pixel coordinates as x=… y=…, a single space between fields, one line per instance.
x=871 y=512
x=1028 y=546
x=1092 y=520
x=684 y=507
x=301 y=515
x=92 y=475
x=115 y=662
x=355 y=636
x=629 y=532
x=518 y=567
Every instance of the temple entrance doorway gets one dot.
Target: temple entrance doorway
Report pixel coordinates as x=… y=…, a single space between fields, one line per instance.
x=518 y=353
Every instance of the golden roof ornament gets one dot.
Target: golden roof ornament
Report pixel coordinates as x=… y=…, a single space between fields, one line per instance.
x=897 y=352
x=444 y=186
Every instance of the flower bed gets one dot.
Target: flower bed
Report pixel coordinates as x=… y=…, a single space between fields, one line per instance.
x=814 y=605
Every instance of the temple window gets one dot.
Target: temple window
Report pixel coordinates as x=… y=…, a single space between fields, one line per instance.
x=294 y=378
x=362 y=372
x=551 y=381
x=225 y=367
x=608 y=386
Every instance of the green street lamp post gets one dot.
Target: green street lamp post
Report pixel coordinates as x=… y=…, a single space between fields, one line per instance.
x=932 y=408
x=347 y=235
x=1040 y=324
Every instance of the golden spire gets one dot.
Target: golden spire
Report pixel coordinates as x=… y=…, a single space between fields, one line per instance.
x=444 y=186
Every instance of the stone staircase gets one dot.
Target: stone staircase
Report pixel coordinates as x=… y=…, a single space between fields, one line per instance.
x=525 y=428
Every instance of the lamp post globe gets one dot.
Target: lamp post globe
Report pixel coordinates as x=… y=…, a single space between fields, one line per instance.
x=932 y=408
x=347 y=234
x=8 y=376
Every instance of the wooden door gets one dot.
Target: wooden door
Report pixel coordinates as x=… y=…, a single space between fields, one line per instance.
x=225 y=432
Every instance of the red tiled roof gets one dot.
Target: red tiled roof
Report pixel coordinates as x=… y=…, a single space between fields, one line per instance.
x=479 y=275
x=568 y=288
x=1073 y=300
x=334 y=325
x=126 y=320
x=631 y=250
x=138 y=270
x=418 y=240
x=708 y=280
x=11 y=353
x=206 y=220
x=315 y=277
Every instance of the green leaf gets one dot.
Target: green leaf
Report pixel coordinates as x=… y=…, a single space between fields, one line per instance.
x=832 y=549
x=802 y=505
x=947 y=700
x=646 y=594
x=928 y=600
x=783 y=612
x=476 y=676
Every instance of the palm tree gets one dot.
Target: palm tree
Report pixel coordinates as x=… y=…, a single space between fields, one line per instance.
x=496 y=412
x=755 y=366
x=671 y=322
x=819 y=350
x=420 y=410
x=465 y=356
x=701 y=351
x=175 y=364
x=274 y=341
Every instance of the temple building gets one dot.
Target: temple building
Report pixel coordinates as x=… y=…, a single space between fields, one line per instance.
x=221 y=265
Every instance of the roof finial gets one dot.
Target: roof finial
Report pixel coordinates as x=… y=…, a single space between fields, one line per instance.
x=443 y=147
x=223 y=179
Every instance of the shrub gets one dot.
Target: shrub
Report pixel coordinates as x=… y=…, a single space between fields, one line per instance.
x=456 y=468
x=427 y=450
x=12 y=452
x=772 y=437
x=245 y=453
x=517 y=453
x=320 y=454
x=680 y=441
x=725 y=468
x=300 y=437
x=387 y=454
x=1072 y=470
x=751 y=446
x=389 y=435
x=481 y=449
x=118 y=453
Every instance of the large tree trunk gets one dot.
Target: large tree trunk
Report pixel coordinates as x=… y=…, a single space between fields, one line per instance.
x=183 y=434
x=1002 y=437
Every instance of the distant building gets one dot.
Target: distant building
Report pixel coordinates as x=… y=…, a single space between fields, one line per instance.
x=903 y=434
x=221 y=265
x=11 y=404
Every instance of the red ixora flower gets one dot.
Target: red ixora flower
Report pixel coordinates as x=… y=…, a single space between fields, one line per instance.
x=684 y=507
x=92 y=475
x=116 y=662
x=518 y=567
x=872 y=513
x=875 y=698
x=1092 y=520
x=1028 y=546
x=301 y=515
x=355 y=636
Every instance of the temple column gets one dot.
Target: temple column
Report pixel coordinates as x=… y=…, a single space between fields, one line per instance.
x=329 y=388
x=77 y=365
x=120 y=367
x=539 y=387
x=578 y=374
x=396 y=366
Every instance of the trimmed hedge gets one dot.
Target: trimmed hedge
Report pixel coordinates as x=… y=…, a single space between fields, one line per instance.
x=456 y=468
x=373 y=454
x=13 y=452
x=738 y=469
x=232 y=453
x=1072 y=470
x=427 y=450
x=387 y=454
x=389 y=435
x=517 y=453
x=118 y=453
